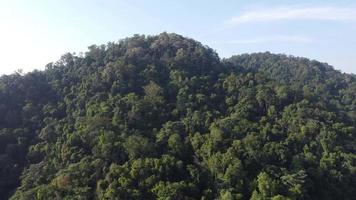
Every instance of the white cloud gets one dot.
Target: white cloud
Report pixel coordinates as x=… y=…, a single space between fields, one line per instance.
x=294 y=13
x=278 y=38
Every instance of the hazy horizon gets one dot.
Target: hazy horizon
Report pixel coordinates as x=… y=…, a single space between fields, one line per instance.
x=37 y=33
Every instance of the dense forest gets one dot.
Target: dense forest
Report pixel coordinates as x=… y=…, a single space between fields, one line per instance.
x=163 y=117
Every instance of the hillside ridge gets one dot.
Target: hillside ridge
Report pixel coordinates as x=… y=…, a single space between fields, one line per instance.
x=164 y=117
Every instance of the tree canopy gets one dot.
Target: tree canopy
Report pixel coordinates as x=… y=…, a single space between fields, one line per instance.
x=163 y=117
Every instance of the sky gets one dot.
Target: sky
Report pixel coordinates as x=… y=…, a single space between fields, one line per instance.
x=34 y=33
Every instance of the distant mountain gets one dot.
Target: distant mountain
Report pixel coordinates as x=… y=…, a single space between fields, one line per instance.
x=163 y=117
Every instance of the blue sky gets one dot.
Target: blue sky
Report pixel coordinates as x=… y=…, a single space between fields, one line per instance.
x=34 y=33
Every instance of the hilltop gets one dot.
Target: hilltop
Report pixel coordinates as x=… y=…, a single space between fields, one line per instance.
x=163 y=117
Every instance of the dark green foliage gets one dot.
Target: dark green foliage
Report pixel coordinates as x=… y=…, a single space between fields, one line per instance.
x=162 y=117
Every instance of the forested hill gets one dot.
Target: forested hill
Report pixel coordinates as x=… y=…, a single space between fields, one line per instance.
x=163 y=117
